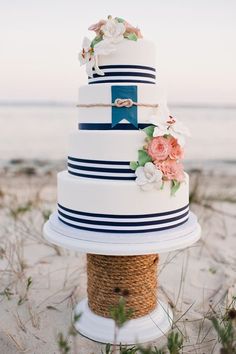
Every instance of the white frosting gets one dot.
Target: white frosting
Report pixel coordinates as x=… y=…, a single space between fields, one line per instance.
x=140 y=52
x=92 y=94
x=106 y=145
x=117 y=197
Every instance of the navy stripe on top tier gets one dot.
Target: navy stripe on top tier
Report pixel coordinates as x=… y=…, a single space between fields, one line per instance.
x=99 y=169
x=124 y=73
x=123 y=223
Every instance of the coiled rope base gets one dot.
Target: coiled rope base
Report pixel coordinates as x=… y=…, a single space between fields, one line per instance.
x=133 y=277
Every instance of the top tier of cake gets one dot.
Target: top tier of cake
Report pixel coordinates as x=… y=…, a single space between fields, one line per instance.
x=130 y=62
x=118 y=54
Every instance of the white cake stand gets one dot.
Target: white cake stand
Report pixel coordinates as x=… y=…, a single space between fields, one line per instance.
x=142 y=329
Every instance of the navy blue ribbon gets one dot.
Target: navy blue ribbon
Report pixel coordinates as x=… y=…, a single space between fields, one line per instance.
x=124 y=216
x=122 y=81
x=128 y=113
x=115 y=178
x=125 y=73
x=122 y=231
x=101 y=169
x=108 y=126
x=122 y=223
x=99 y=161
x=141 y=67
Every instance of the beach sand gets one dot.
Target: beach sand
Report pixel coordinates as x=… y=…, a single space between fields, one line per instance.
x=41 y=283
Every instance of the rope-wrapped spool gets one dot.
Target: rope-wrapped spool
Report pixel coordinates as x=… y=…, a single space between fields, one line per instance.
x=133 y=277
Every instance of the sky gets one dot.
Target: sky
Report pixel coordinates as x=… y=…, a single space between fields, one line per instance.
x=195 y=41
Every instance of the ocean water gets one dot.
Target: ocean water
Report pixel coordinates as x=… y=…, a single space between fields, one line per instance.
x=41 y=131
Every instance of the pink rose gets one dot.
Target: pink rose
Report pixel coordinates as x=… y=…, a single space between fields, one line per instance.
x=97 y=26
x=171 y=169
x=176 y=151
x=132 y=29
x=159 y=148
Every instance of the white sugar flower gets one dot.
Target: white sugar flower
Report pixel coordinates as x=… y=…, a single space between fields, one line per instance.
x=170 y=126
x=160 y=129
x=160 y=115
x=148 y=177
x=179 y=131
x=113 y=30
x=89 y=55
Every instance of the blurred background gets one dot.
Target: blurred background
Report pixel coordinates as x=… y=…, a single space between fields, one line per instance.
x=40 y=73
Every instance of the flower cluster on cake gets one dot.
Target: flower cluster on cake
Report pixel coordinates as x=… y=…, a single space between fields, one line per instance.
x=160 y=159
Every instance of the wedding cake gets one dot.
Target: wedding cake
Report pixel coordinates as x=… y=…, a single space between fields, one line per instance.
x=125 y=172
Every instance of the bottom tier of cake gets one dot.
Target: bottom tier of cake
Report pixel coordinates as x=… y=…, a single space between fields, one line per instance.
x=120 y=206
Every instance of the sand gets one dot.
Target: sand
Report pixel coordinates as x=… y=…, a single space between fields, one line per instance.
x=194 y=281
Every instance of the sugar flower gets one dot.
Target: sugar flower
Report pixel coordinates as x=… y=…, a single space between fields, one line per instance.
x=161 y=129
x=97 y=26
x=159 y=148
x=131 y=29
x=113 y=30
x=172 y=127
x=148 y=177
x=179 y=131
x=176 y=151
x=89 y=55
x=171 y=169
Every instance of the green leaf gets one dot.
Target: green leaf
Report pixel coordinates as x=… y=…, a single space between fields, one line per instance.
x=162 y=186
x=148 y=139
x=143 y=157
x=149 y=130
x=96 y=40
x=175 y=186
x=120 y=20
x=131 y=36
x=133 y=165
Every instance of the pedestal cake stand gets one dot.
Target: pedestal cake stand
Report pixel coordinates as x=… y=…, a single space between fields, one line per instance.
x=140 y=329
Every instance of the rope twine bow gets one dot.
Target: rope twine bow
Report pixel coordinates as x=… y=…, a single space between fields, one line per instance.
x=119 y=103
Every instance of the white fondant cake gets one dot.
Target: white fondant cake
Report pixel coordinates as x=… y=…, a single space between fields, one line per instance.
x=124 y=162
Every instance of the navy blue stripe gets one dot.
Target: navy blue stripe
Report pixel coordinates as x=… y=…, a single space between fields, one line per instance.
x=99 y=161
x=108 y=126
x=113 y=81
x=102 y=177
x=125 y=73
x=123 y=223
x=124 y=216
x=123 y=231
x=101 y=169
x=142 y=67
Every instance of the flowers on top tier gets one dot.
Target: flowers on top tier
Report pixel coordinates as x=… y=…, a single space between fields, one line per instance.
x=113 y=31
x=160 y=159
x=108 y=32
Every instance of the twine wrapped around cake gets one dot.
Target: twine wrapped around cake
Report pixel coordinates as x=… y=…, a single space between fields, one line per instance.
x=133 y=277
x=119 y=102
